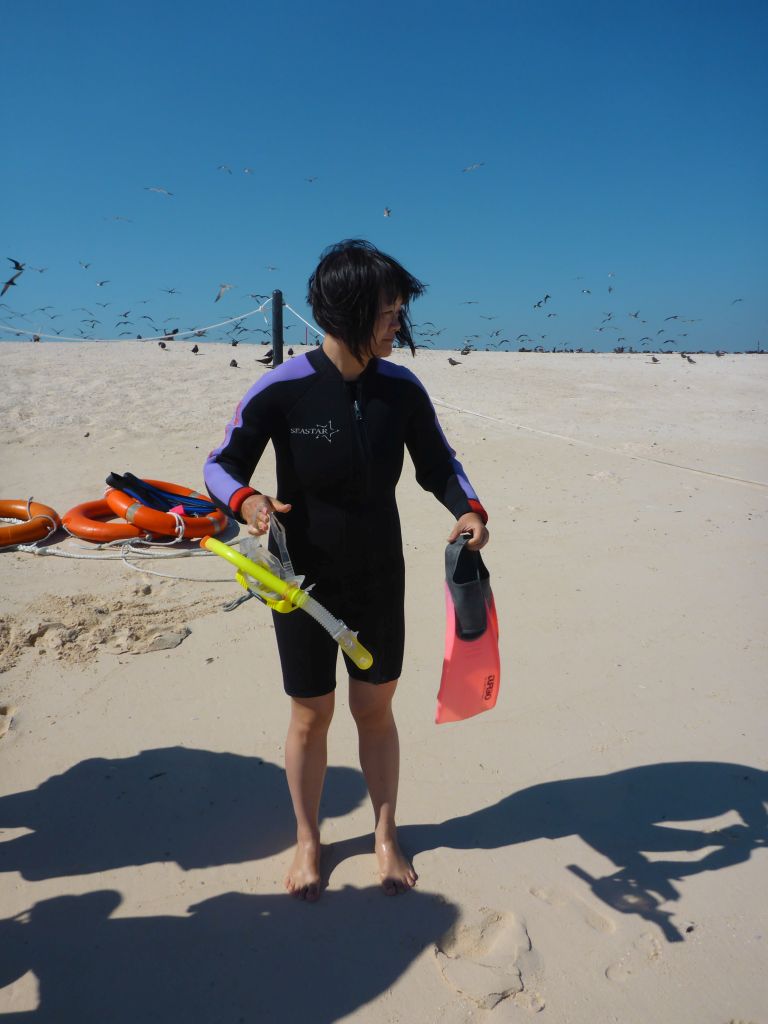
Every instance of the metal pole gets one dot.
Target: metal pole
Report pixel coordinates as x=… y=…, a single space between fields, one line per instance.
x=277 y=327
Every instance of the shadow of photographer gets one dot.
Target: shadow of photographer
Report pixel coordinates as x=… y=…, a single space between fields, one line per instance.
x=234 y=958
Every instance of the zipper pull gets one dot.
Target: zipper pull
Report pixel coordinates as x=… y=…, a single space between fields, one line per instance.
x=358 y=411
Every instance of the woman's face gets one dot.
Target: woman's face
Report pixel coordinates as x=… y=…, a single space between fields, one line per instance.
x=386 y=327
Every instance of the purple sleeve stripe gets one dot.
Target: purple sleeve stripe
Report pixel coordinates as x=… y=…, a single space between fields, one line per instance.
x=403 y=373
x=295 y=370
x=218 y=481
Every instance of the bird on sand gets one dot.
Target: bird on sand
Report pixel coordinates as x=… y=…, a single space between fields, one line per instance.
x=195 y=350
x=691 y=360
x=162 y=344
x=266 y=358
x=454 y=362
x=233 y=362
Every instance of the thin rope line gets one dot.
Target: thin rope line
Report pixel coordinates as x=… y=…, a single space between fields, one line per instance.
x=602 y=448
x=306 y=322
x=159 y=337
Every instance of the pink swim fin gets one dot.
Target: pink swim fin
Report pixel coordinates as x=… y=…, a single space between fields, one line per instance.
x=471 y=666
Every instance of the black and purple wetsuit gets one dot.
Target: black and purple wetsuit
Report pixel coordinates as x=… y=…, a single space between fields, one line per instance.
x=339 y=450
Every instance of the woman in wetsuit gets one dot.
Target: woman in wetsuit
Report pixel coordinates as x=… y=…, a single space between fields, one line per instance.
x=339 y=418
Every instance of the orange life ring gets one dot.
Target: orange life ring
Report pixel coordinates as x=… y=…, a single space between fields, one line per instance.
x=38 y=521
x=153 y=521
x=84 y=521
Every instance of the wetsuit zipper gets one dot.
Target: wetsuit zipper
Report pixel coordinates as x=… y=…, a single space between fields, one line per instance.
x=362 y=442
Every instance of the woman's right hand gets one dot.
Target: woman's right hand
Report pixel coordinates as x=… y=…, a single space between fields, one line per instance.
x=256 y=510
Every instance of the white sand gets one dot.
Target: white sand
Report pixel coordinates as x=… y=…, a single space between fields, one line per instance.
x=594 y=848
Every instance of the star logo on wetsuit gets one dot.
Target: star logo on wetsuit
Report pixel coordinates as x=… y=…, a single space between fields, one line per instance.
x=326 y=430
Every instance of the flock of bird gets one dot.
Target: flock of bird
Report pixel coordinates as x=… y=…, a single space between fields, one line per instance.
x=143 y=325
x=425 y=333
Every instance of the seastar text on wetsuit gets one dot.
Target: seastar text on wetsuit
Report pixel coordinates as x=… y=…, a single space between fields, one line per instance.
x=325 y=430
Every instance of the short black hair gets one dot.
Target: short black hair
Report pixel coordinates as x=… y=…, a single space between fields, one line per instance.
x=346 y=288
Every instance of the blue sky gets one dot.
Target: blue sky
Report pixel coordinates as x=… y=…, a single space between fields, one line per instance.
x=614 y=139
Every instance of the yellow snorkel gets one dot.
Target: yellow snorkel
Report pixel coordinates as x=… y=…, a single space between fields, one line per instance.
x=285 y=596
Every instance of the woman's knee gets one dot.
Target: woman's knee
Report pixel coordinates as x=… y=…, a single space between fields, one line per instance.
x=312 y=715
x=371 y=703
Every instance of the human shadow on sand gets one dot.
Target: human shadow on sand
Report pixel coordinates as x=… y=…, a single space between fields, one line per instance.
x=198 y=808
x=626 y=816
x=234 y=958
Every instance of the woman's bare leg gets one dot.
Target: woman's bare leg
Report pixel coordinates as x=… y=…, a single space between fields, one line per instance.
x=371 y=707
x=306 y=759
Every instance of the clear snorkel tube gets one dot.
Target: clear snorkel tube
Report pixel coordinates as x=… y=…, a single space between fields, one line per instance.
x=273 y=582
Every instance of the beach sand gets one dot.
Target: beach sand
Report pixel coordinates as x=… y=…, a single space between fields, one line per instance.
x=592 y=850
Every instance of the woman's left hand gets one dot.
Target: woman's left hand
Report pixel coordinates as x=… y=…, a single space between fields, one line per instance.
x=472 y=523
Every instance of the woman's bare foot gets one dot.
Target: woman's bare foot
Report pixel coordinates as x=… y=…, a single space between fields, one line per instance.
x=303 y=878
x=396 y=871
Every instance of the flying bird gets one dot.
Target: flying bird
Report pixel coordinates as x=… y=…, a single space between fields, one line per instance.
x=310 y=180
x=223 y=167
x=16 y=264
x=84 y=265
x=270 y=267
x=222 y=289
x=12 y=282
x=736 y=300
x=100 y=284
x=472 y=167
x=387 y=212
x=247 y=170
x=156 y=188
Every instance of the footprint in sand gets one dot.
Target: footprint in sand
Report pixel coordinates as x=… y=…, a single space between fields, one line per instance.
x=556 y=897
x=645 y=951
x=490 y=959
x=7 y=711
